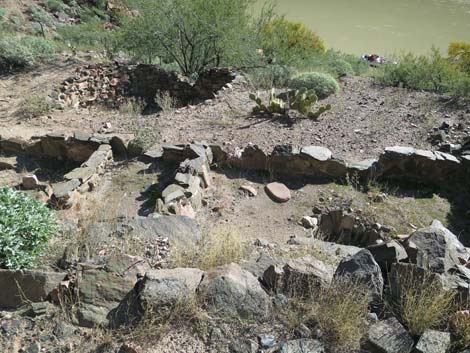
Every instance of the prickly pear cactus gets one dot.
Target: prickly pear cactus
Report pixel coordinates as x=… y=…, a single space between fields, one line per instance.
x=303 y=100
x=275 y=105
x=320 y=111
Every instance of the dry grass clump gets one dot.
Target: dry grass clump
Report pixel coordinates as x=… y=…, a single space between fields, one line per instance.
x=221 y=245
x=186 y=312
x=460 y=326
x=422 y=302
x=165 y=101
x=339 y=310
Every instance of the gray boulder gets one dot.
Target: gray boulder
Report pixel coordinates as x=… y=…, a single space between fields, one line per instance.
x=177 y=229
x=303 y=275
x=362 y=269
x=161 y=289
x=433 y=342
x=230 y=291
x=20 y=286
x=388 y=336
x=435 y=248
x=301 y=346
x=387 y=253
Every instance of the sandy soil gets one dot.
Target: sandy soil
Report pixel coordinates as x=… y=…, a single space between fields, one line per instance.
x=364 y=118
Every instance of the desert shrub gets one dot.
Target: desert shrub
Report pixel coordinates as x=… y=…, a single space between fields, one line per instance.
x=342 y=318
x=15 y=20
x=33 y=106
x=422 y=302
x=55 y=5
x=220 y=246
x=2 y=13
x=90 y=35
x=323 y=84
x=23 y=52
x=195 y=34
x=459 y=54
x=432 y=72
x=270 y=76
x=25 y=227
x=460 y=326
x=461 y=88
x=285 y=42
x=40 y=15
x=165 y=101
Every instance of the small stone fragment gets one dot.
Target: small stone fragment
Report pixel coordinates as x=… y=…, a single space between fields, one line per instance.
x=30 y=182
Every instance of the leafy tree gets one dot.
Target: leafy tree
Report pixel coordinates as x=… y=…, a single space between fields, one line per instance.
x=196 y=34
x=285 y=41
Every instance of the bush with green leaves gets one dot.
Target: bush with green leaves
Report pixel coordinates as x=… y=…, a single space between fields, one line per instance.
x=323 y=84
x=431 y=72
x=270 y=76
x=196 y=34
x=2 y=13
x=285 y=42
x=24 y=52
x=55 y=5
x=40 y=15
x=26 y=225
x=334 y=62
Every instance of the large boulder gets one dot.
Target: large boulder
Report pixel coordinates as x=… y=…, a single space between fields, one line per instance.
x=230 y=291
x=435 y=248
x=301 y=346
x=177 y=229
x=161 y=289
x=17 y=287
x=433 y=342
x=361 y=268
x=301 y=276
x=388 y=336
x=107 y=286
x=387 y=253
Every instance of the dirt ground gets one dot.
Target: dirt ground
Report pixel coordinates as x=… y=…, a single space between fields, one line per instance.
x=364 y=118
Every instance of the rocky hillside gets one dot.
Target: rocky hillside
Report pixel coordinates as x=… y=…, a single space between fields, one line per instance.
x=142 y=211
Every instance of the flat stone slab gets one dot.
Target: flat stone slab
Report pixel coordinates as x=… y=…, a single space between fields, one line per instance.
x=319 y=153
x=64 y=188
x=433 y=342
x=278 y=192
x=82 y=174
x=8 y=162
x=249 y=189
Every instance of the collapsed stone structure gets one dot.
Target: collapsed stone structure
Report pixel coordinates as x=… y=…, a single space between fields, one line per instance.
x=114 y=289
x=115 y=84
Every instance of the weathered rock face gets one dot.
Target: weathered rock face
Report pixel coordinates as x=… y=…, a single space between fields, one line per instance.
x=433 y=342
x=161 y=289
x=18 y=286
x=385 y=254
x=232 y=292
x=303 y=275
x=301 y=346
x=411 y=164
x=362 y=269
x=174 y=228
x=388 y=336
x=348 y=228
x=311 y=161
x=435 y=248
x=107 y=286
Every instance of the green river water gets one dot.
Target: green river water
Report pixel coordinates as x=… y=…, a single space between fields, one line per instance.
x=383 y=26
